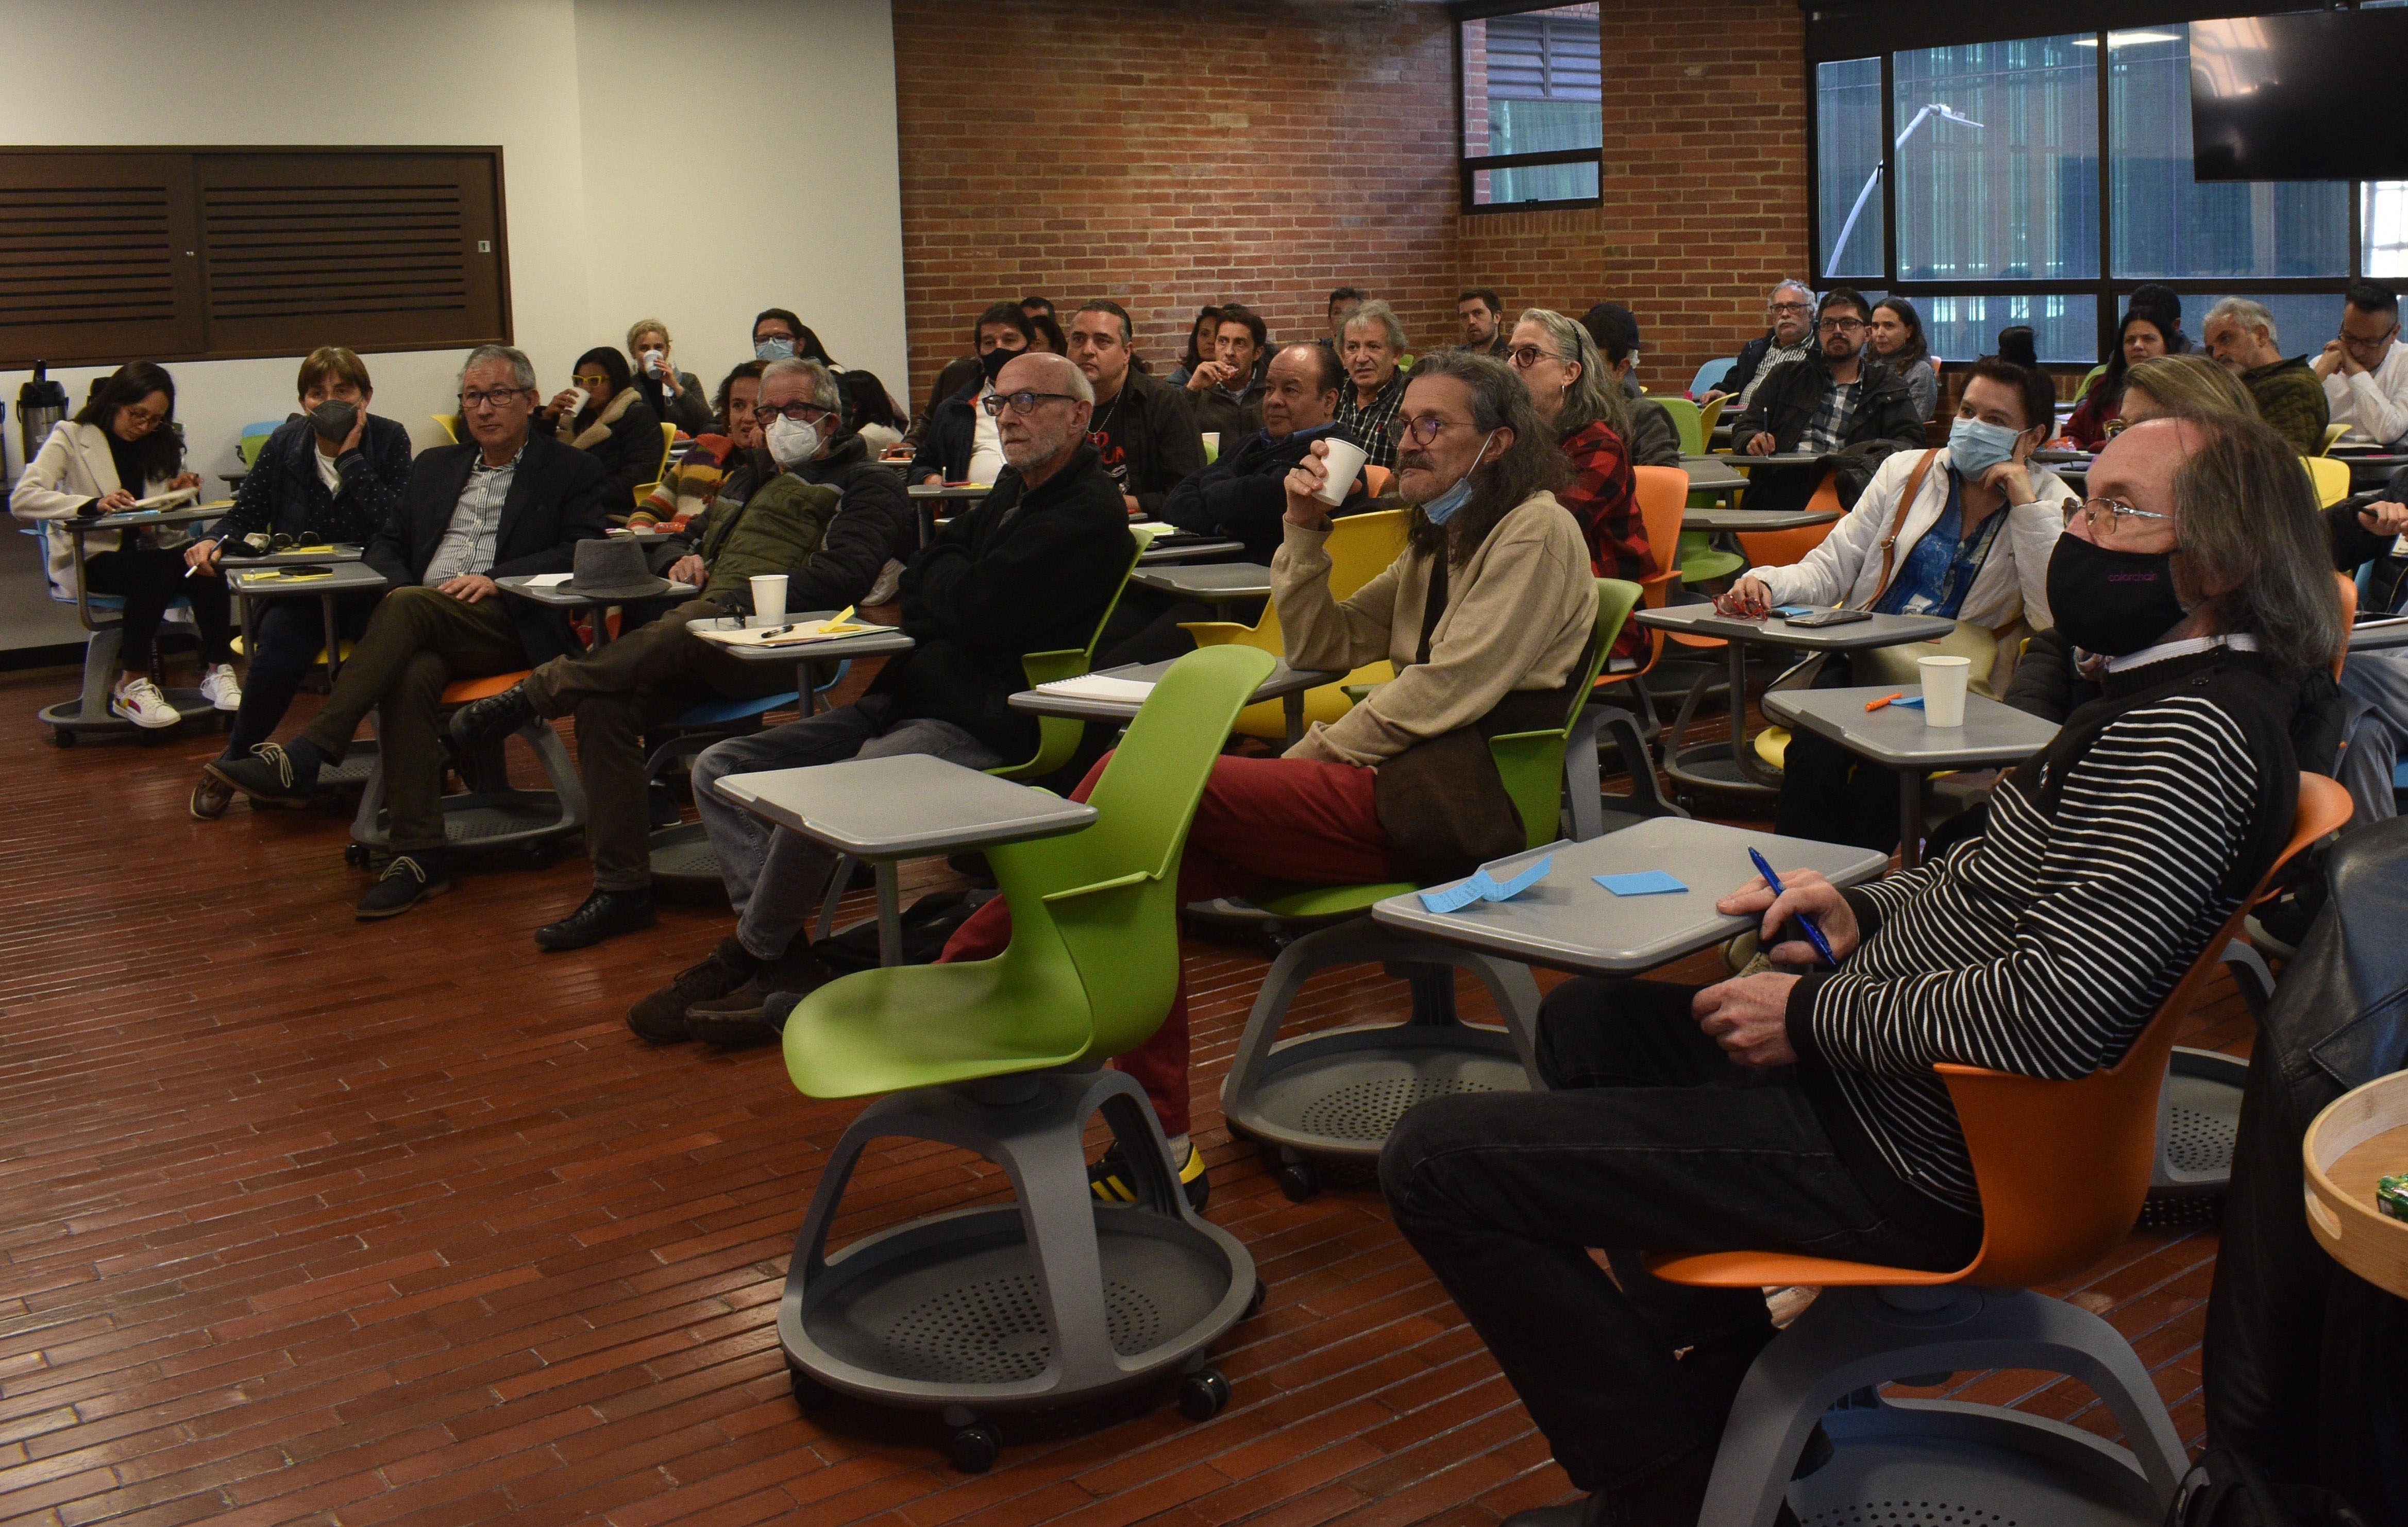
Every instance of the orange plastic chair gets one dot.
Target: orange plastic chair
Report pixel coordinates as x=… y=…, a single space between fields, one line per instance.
x=1375 y=481
x=2062 y=1167
x=2348 y=618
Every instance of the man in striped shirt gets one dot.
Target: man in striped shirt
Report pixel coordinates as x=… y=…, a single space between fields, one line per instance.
x=1799 y=1112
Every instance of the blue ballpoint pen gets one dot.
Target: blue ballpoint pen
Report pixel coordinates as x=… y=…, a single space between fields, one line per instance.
x=1822 y=946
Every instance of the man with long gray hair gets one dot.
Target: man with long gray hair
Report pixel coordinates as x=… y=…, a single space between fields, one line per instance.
x=2240 y=334
x=509 y=502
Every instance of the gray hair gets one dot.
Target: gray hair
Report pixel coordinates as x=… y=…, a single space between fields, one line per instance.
x=1073 y=379
x=1382 y=314
x=2248 y=314
x=1790 y=283
x=1595 y=397
x=822 y=385
x=522 y=369
x=1533 y=464
x=2246 y=517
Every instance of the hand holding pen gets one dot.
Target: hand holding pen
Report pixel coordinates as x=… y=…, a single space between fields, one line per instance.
x=1830 y=924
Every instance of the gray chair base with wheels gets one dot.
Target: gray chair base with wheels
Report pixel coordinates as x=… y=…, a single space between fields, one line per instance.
x=1054 y=1299
x=88 y=714
x=491 y=813
x=1337 y=1093
x=2199 y=1118
x=1941 y=1461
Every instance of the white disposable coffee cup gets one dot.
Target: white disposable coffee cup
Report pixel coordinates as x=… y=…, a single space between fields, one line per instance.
x=769 y=596
x=578 y=398
x=1212 y=444
x=1943 y=689
x=1345 y=462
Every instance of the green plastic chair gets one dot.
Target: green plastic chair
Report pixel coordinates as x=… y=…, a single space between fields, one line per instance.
x=1338 y=1092
x=1057 y=736
x=1094 y=953
x=1001 y=1057
x=1685 y=420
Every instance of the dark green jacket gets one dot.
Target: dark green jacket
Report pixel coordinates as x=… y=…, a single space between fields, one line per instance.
x=2290 y=398
x=774 y=530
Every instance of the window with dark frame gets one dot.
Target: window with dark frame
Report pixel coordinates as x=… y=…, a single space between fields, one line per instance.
x=1533 y=108
x=108 y=254
x=2039 y=181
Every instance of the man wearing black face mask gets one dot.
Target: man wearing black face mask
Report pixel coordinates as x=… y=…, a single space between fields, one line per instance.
x=2041 y=949
x=961 y=444
x=331 y=473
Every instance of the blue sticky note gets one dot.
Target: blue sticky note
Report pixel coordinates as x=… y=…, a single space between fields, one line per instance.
x=1914 y=703
x=1786 y=611
x=1481 y=888
x=1653 y=882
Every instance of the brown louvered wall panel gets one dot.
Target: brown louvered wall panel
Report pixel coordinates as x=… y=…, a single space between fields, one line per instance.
x=111 y=254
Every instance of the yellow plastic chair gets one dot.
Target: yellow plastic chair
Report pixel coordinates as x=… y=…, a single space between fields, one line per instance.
x=2332 y=433
x=2330 y=475
x=1360 y=546
x=450 y=425
x=1708 y=415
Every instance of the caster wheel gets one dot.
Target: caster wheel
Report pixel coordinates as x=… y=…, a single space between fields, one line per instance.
x=809 y=1392
x=973 y=1450
x=541 y=856
x=357 y=855
x=1255 y=1304
x=62 y=737
x=1299 y=1181
x=1202 y=1393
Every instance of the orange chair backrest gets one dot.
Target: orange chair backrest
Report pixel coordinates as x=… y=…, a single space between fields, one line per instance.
x=1779 y=547
x=2063 y=1166
x=1663 y=493
x=2348 y=618
x=1375 y=481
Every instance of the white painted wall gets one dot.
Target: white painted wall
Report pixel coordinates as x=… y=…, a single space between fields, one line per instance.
x=771 y=179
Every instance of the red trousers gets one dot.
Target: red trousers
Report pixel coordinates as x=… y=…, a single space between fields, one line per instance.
x=1262 y=820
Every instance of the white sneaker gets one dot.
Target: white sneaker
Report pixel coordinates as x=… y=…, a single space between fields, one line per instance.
x=222 y=689
x=138 y=701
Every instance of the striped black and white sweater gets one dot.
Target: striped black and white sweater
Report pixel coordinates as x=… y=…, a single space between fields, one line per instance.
x=2042 y=946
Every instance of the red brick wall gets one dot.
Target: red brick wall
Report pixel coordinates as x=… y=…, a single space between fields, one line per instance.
x=1166 y=154
x=1704 y=186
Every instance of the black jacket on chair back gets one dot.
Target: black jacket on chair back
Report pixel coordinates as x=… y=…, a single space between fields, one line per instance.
x=1021 y=573
x=2307 y=1362
x=555 y=501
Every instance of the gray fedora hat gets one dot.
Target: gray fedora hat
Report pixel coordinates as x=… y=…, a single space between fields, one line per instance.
x=606 y=569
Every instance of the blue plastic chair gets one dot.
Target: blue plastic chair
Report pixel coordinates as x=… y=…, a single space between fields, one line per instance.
x=1711 y=373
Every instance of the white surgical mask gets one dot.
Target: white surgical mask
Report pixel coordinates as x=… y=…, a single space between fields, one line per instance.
x=1441 y=509
x=780 y=349
x=792 y=441
x=1976 y=445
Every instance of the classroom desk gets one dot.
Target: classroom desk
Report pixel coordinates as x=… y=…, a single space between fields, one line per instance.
x=1740 y=772
x=813 y=660
x=649 y=535
x=1221 y=585
x=1898 y=739
x=2369 y=469
x=292 y=556
x=77 y=528
x=1744 y=461
x=926 y=497
x=1164 y=550
x=1285 y=684
x=262 y=582
x=560 y=596
x=906 y=806
x=2379 y=635
x=1712 y=475
x=1753 y=520
x=1567 y=922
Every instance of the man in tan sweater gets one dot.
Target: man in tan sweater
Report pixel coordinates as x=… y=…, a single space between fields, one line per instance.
x=1487 y=616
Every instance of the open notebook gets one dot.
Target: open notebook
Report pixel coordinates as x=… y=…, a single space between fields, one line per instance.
x=796 y=635
x=1101 y=687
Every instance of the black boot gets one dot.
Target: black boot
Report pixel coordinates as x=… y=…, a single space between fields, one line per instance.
x=606 y=914
x=491 y=718
x=661 y=1017
x=274 y=774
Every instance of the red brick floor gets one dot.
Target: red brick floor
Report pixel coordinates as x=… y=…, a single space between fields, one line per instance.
x=310 y=1221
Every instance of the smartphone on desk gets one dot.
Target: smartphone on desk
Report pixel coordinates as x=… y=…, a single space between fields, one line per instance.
x=1813 y=620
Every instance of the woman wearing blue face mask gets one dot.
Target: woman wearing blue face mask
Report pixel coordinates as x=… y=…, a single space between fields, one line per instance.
x=1963 y=532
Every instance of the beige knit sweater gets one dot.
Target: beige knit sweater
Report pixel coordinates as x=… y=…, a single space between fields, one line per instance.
x=1518 y=617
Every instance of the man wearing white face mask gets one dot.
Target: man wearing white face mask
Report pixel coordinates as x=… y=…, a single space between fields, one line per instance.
x=831 y=521
x=1963 y=532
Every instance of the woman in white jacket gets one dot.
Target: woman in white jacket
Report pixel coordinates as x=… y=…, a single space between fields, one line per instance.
x=121 y=447
x=1972 y=544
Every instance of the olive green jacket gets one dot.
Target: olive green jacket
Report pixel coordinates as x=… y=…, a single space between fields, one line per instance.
x=775 y=531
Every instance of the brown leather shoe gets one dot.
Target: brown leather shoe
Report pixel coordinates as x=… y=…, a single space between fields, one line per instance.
x=755 y=1012
x=661 y=1017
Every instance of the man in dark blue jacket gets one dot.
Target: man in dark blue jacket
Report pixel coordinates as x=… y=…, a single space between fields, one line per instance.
x=961 y=444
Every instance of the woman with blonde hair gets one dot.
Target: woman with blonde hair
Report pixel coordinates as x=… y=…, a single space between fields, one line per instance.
x=2184 y=387
x=675 y=396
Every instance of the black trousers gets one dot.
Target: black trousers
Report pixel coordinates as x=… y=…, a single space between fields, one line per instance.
x=1830 y=794
x=149 y=579
x=285 y=638
x=1648 y=1141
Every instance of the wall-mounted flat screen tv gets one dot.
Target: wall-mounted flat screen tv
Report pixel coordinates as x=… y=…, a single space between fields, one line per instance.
x=2312 y=97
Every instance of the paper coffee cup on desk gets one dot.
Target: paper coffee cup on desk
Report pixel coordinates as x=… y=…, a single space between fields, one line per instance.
x=769 y=596
x=1345 y=463
x=1943 y=689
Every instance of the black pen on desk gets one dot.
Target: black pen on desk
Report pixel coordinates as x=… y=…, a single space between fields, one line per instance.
x=1822 y=946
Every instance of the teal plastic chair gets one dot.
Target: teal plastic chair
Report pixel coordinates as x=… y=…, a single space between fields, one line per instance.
x=1001 y=1057
x=1338 y=1093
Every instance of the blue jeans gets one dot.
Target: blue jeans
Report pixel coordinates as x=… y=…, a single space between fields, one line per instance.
x=1649 y=1140
x=775 y=875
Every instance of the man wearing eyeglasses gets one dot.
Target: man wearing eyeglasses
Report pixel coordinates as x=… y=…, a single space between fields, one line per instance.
x=1790 y=312
x=509 y=502
x=1838 y=403
x=1030 y=569
x=2365 y=368
x=830 y=521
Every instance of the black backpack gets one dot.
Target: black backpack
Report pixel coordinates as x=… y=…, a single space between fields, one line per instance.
x=2225 y=1488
